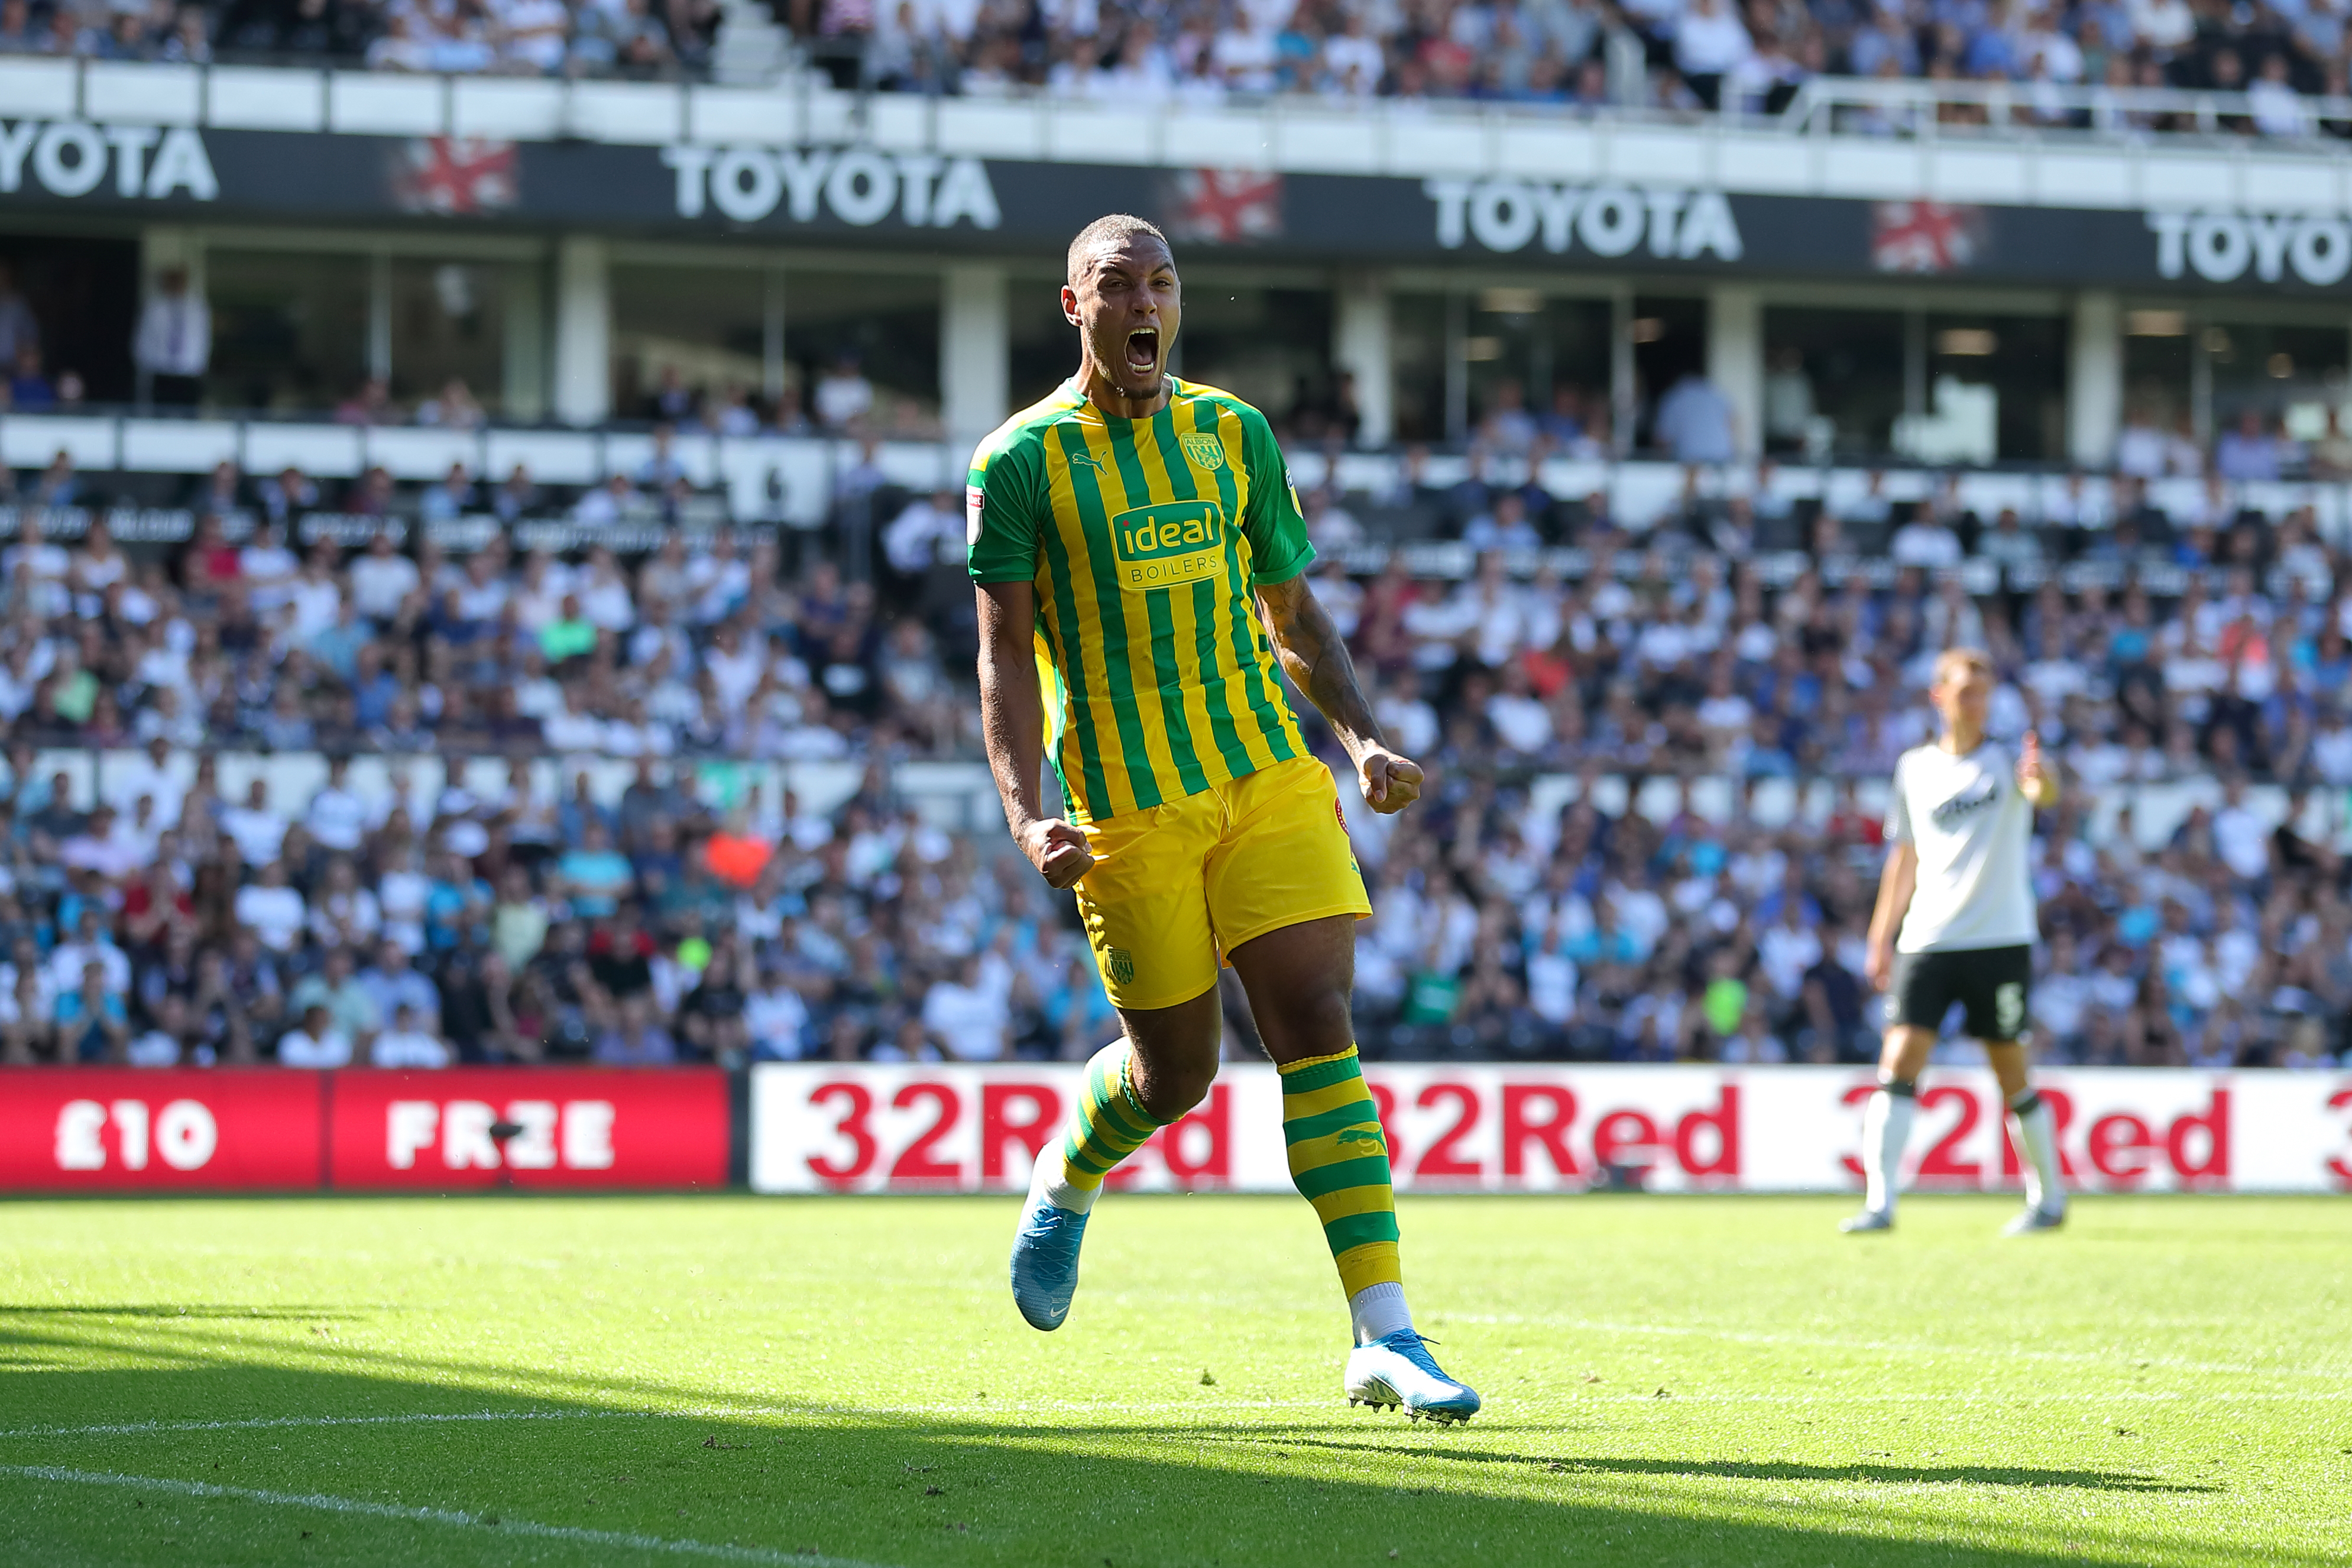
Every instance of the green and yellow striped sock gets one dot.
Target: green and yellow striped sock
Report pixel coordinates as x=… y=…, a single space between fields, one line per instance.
x=1339 y=1159
x=1109 y=1123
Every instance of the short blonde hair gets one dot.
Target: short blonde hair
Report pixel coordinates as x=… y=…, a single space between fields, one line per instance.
x=1953 y=659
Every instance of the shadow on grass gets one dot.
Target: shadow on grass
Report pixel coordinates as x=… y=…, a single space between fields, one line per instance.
x=173 y=1309
x=1767 y=1471
x=912 y=1491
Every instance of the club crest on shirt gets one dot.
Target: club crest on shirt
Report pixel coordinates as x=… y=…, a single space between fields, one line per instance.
x=1205 y=450
x=1122 y=966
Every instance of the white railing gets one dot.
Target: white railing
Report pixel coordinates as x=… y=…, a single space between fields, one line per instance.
x=959 y=796
x=772 y=479
x=766 y=479
x=1915 y=108
x=1378 y=136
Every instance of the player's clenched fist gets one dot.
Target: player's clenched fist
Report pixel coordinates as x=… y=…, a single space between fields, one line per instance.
x=1391 y=783
x=1058 y=852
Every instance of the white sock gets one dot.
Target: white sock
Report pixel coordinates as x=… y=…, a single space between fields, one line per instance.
x=1049 y=1182
x=2037 y=1131
x=1886 y=1127
x=1378 y=1311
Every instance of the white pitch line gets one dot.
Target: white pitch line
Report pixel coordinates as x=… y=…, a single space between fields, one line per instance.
x=326 y=1504
x=133 y=1429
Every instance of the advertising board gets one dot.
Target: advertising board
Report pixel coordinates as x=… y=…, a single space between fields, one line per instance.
x=1545 y=1129
x=270 y=1130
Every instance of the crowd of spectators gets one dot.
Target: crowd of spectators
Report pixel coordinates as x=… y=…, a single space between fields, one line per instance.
x=646 y=38
x=520 y=916
x=1697 y=54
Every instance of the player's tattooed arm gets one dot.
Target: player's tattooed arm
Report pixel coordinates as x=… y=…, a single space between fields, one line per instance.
x=1315 y=656
x=1013 y=726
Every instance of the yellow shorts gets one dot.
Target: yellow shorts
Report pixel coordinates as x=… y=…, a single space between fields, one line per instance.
x=1176 y=888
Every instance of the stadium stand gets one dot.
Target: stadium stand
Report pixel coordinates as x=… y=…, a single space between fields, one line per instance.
x=1660 y=742
x=1672 y=56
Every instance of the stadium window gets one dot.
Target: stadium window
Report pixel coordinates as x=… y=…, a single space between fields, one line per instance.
x=1417 y=364
x=2022 y=361
x=290 y=328
x=1669 y=342
x=1844 y=367
x=877 y=326
x=2158 y=374
x=1548 y=367
x=1268 y=345
x=1042 y=347
x=2274 y=368
x=696 y=334
x=81 y=293
x=448 y=323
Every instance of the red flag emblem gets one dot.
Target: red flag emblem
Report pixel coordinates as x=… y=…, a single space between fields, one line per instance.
x=1227 y=206
x=1924 y=236
x=454 y=176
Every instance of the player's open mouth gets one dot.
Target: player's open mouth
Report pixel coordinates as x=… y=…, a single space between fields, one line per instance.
x=1143 y=348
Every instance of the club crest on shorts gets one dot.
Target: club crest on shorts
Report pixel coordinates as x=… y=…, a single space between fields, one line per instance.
x=1204 y=449
x=1122 y=966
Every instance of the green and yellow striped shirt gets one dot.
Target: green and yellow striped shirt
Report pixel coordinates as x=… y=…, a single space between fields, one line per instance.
x=1144 y=539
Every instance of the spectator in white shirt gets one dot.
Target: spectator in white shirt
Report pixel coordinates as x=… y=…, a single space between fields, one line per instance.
x=164 y=1045
x=2242 y=835
x=150 y=775
x=258 y=831
x=272 y=911
x=382 y=578
x=337 y=817
x=929 y=531
x=604 y=505
x=2278 y=110
x=174 y=343
x=91 y=944
x=966 y=1018
x=316 y=1043
x=1925 y=542
x=407 y=1044
x=1709 y=42
x=777 y=1018
x=1521 y=723
x=844 y=395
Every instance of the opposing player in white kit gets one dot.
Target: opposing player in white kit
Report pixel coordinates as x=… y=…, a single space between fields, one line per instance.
x=1956 y=922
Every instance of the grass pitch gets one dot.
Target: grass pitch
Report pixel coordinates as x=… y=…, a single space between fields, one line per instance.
x=1667 y=1380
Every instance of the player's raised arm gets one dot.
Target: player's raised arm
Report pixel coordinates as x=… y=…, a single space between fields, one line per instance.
x=1013 y=725
x=2035 y=780
x=1315 y=656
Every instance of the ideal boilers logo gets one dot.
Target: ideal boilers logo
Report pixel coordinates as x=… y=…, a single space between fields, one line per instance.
x=1508 y=216
x=73 y=157
x=2222 y=246
x=856 y=186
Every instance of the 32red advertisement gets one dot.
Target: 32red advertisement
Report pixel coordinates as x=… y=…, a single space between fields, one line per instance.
x=1535 y=1128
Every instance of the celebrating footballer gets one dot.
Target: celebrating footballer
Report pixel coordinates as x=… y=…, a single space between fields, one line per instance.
x=1138 y=556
